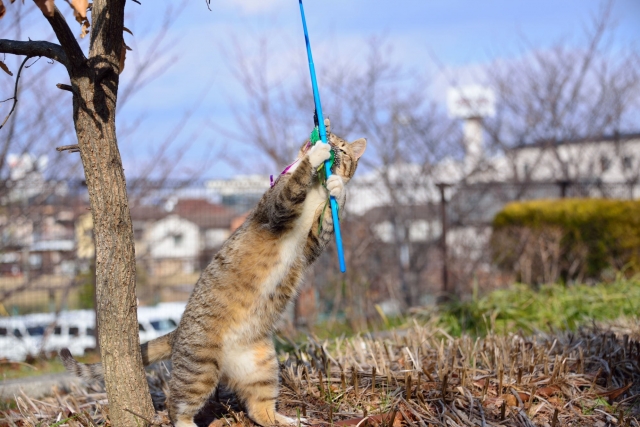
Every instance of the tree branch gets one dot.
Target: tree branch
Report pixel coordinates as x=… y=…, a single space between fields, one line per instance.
x=67 y=40
x=65 y=87
x=35 y=48
x=15 y=93
x=72 y=148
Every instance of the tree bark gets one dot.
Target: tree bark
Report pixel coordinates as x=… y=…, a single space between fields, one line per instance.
x=126 y=384
x=94 y=110
x=94 y=83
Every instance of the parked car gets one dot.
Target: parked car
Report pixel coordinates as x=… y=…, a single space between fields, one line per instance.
x=13 y=345
x=74 y=330
x=158 y=320
x=47 y=333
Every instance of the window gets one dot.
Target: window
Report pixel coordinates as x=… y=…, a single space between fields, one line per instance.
x=141 y=328
x=163 y=325
x=177 y=239
x=627 y=162
x=57 y=330
x=36 y=331
x=3 y=332
x=91 y=332
x=605 y=163
x=35 y=260
x=17 y=333
x=74 y=331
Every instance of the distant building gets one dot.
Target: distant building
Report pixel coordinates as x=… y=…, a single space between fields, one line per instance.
x=606 y=160
x=173 y=246
x=214 y=221
x=215 y=224
x=402 y=202
x=242 y=192
x=539 y=170
x=39 y=239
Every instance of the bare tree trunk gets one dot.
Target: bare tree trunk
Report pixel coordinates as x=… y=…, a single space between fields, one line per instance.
x=115 y=258
x=94 y=85
x=94 y=115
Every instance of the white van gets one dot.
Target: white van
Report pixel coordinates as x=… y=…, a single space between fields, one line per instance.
x=153 y=322
x=75 y=330
x=13 y=345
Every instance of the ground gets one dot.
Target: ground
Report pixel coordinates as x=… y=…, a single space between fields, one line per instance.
x=419 y=375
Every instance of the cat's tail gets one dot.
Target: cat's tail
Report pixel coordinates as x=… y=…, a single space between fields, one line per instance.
x=152 y=351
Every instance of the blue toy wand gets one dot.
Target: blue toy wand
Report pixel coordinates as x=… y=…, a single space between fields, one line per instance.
x=323 y=138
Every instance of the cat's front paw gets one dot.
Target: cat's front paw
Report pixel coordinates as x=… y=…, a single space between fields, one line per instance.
x=335 y=185
x=319 y=153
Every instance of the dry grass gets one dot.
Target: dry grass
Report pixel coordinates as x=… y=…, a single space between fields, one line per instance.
x=421 y=376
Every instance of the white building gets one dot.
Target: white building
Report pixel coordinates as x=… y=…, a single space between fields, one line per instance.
x=173 y=245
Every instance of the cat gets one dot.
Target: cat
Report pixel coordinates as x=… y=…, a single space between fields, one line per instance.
x=226 y=330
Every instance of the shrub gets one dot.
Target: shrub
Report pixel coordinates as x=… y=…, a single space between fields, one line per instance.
x=543 y=241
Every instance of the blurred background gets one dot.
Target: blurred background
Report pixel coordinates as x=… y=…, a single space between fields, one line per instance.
x=467 y=107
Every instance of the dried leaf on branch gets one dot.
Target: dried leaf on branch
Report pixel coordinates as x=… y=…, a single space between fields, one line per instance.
x=80 y=8
x=2 y=64
x=123 y=55
x=3 y=9
x=46 y=6
x=84 y=29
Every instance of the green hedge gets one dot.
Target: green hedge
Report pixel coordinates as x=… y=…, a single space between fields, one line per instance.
x=568 y=239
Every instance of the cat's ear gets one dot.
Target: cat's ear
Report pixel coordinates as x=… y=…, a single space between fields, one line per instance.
x=327 y=125
x=358 y=146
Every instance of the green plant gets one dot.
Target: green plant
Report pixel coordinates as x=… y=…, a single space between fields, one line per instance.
x=550 y=307
x=86 y=289
x=543 y=241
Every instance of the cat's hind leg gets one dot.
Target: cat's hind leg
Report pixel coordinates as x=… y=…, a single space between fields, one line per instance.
x=194 y=377
x=252 y=372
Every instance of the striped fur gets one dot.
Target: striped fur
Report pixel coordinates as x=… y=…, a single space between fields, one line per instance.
x=152 y=351
x=226 y=331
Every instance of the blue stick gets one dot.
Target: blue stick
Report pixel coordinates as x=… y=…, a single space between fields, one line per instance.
x=323 y=137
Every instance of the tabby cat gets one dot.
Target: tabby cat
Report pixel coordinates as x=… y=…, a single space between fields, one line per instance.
x=226 y=330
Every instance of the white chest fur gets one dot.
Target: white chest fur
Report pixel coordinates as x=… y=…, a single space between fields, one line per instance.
x=293 y=242
x=290 y=249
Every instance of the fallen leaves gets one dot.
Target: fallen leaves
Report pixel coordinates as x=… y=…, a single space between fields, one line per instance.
x=374 y=420
x=540 y=394
x=613 y=394
x=548 y=391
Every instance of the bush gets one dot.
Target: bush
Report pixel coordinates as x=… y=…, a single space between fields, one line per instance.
x=543 y=241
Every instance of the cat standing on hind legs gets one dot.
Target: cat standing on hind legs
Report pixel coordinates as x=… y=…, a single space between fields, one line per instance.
x=225 y=334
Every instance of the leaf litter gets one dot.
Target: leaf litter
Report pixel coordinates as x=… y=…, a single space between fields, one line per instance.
x=418 y=376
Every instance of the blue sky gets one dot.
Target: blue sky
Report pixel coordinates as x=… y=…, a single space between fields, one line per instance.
x=462 y=35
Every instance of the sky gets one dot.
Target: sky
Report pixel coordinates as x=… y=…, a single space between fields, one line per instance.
x=435 y=37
